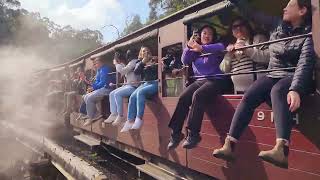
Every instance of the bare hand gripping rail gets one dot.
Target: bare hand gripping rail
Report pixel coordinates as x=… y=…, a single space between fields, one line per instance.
x=264 y=43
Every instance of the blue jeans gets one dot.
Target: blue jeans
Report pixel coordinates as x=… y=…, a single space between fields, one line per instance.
x=83 y=108
x=91 y=99
x=116 y=98
x=138 y=98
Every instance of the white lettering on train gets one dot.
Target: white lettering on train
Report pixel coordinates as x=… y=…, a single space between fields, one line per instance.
x=295 y=118
x=260 y=116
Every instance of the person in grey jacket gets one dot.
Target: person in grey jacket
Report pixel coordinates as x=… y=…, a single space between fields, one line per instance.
x=283 y=89
x=131 y=83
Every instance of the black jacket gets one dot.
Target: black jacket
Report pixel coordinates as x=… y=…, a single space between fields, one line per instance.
x=148 y=73
x=297 y=53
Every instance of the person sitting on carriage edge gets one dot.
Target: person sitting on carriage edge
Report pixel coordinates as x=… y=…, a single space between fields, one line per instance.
x=283 y=89
x=78 y=86
x=116 y=96
x=100 y=88
x=196 y=94
x=245 y=60
x=148 y=69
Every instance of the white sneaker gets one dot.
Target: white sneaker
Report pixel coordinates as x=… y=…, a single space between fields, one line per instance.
x=110 y=119
x=137 y=124
x=88 y=122
x=119 y=120
x=127 y=126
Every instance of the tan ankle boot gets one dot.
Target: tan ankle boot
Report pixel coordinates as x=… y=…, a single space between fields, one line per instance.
x=226 y=152
x=277 y=156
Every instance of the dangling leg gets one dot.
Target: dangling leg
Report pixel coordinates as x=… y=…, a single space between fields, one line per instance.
x=201 y=97
x=132 y=110
x=180 y=113
x=283 y=120
x=119 y=95
x=258 y=93
x=149 y=90
x=113 y=107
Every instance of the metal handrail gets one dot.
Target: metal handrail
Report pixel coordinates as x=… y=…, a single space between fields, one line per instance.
x=136 y=82
x=145 y=66
x=155 y=64
x=242 y=73
x=238 y=73
x=263 y=43
x=173 y=78
x=112 y=73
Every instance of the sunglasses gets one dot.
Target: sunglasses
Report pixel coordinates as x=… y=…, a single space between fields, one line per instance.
x=235 y=26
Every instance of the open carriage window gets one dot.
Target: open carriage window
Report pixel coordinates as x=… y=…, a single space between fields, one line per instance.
x=172 y=70
x=221 y=26
x=239 y=62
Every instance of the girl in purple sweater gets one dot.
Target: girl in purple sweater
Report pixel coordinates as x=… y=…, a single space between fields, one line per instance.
x=196 y=94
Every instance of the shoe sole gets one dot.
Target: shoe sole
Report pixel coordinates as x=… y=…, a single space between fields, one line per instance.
x=135 y=129
x=274 y=162
x=108 y=122
x=124 y=131
x=87 y=124
x=117 y=124
x=224 y=157
x=177 y=144
x=193 y=146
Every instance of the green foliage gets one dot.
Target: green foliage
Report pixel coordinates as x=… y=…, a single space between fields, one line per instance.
x=170 y=6
x=132 y=26
x=158 y=9
x=36 y=34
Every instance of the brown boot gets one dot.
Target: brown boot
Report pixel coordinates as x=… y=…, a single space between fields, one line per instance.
x=277 y=156
x=226 y=152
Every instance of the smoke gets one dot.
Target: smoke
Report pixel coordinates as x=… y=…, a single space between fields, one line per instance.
x=22 y=101
x=16 y=78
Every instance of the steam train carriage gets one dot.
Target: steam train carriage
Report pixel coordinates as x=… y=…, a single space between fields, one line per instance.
x=149 y=143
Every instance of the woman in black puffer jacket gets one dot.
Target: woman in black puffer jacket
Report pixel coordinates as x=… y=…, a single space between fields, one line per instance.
x=281 y=89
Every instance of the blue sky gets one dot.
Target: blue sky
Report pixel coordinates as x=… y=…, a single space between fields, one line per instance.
x=92 y=14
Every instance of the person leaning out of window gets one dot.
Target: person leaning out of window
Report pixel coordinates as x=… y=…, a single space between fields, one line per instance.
x=249 y=59
x=283 y=89
x=196 y=94
x=148 y=69
x=132 y=81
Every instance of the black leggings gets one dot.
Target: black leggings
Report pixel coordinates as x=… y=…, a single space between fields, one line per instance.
x=274 y=92
x=197 y=95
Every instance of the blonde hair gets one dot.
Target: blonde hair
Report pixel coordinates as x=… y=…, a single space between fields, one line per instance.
x=141 y=52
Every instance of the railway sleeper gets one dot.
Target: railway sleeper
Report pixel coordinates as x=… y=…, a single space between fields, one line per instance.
x=142 y=166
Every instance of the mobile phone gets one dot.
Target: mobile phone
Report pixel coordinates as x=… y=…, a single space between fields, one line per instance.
x=196 y=35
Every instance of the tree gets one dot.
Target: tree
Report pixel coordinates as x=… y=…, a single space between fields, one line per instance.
x=153 y=15
x=8 y=15
x=169 y=6
x=33 y=33
x=134 y=25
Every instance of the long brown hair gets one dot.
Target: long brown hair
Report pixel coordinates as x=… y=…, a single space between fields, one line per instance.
x=140 y=56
